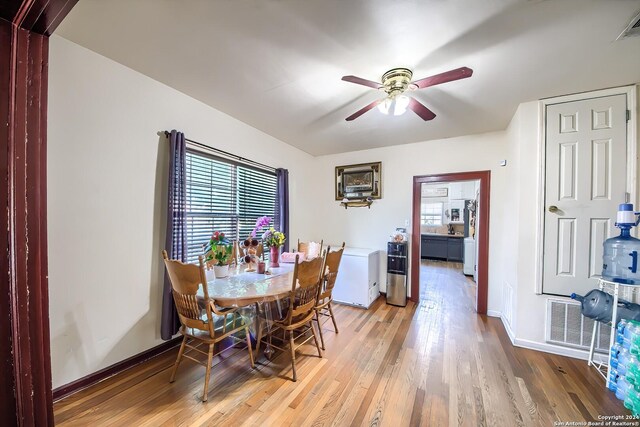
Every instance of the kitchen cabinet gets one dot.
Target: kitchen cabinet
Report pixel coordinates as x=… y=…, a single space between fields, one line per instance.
x=462 y=190
x=434 y=247
x=455 y=249
x=455 y=191
x=469 y=190
x=442 y=247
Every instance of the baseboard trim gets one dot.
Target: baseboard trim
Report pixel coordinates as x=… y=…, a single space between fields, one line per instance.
x=575 y=353
x=559 y=350
x=507 y=327
x=116 y=368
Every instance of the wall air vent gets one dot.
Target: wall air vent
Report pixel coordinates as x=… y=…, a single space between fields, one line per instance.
x=566 y=326
x=633 y=29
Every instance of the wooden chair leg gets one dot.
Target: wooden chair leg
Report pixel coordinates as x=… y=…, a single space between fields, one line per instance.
x=248 y=335
x=333 y=318
x=319 y=328
x=293 y=356
x=178 y=359
x=260 y=332
x=207 y=374
x=315 y=338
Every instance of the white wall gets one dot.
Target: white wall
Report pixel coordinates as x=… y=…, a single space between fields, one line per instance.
x=527 y=325
x=107 y=196
x=370 y=228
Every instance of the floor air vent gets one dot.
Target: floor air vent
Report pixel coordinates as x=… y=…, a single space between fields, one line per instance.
x=567 y=326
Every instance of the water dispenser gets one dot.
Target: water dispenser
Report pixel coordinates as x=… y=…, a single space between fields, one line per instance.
x=620 y=259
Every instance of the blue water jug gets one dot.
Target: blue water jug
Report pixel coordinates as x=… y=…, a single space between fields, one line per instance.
x=620 y=259
x=598 y=305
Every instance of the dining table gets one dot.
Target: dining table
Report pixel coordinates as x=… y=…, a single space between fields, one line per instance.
x=245 y=288
x=252 y=293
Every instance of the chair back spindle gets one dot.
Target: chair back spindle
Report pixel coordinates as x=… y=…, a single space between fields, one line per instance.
x=330 y=272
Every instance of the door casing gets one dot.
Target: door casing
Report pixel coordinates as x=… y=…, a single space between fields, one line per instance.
x=482 y=261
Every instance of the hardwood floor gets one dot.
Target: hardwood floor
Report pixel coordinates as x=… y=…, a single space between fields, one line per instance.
x=432 y=364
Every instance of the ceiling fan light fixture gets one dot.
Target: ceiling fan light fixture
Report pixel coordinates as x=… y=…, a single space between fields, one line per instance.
x=396 y=105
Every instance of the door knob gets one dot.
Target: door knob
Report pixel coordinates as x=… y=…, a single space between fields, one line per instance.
x=553 y=209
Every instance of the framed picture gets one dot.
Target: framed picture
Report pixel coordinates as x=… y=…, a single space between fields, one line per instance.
x=359 y=181
x=435 y=192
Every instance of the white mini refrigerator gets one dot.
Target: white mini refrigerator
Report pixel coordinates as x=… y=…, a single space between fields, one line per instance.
x=358 y=281
x=469 y=266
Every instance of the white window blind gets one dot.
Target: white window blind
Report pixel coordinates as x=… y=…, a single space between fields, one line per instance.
x=431 y=213
x=224 y=196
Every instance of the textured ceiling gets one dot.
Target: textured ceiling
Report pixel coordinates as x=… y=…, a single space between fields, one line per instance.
x=277 y=64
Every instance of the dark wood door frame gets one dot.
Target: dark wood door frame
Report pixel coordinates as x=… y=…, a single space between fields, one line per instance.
x=482 y=231
x=25 y=362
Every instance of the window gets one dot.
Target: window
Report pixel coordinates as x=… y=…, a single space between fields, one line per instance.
x=225 y=196
x=431 y=213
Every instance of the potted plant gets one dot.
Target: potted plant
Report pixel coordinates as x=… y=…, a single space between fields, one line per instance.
x=219 y=250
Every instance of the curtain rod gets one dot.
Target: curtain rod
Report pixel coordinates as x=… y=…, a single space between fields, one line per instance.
x=225 y=153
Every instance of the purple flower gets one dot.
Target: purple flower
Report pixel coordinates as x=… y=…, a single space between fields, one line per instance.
x=261 y=222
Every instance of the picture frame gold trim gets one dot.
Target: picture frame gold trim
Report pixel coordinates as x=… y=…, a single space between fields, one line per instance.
x=360 y=181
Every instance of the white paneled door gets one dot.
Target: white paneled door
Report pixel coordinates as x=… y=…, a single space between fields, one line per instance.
x=586 y=175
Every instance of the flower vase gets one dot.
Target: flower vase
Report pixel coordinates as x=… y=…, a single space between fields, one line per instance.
x=274 y=256
x=221 y=271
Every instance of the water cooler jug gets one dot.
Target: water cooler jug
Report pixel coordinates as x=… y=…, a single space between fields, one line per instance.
x=620 y=259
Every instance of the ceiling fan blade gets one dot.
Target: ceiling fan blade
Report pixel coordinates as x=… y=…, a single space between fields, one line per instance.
x=363 y=110
x=422 y=111
x=360 y=81
x=447 y=76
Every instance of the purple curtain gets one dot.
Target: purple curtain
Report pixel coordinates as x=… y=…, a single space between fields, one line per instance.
x=282 y=204
x=176 y=244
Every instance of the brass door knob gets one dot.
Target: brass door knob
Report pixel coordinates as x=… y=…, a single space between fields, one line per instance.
x=553 y=209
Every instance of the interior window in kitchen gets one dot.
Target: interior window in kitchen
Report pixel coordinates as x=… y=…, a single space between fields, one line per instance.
x=431 y=213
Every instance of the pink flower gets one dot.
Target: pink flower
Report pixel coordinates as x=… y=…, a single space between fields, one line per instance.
x=261 y=222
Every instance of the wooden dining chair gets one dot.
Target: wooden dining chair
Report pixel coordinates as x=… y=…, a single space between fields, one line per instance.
x=304 y=248
x=202 y=322
x=298 y=319
x=325 y=297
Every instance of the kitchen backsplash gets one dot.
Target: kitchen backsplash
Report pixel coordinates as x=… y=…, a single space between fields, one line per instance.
x=441 y=229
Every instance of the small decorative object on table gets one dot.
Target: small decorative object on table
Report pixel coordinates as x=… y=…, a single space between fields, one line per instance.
x=250 y=247
x=218 y=252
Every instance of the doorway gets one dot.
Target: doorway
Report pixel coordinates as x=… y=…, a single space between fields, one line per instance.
x=442 y=221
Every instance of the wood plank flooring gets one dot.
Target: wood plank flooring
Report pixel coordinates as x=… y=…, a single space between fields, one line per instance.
x=436 y=363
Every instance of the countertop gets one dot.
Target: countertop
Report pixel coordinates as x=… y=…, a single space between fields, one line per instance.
x=458 y=236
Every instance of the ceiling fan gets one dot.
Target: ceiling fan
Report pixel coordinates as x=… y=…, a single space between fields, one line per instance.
x=396 y=82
